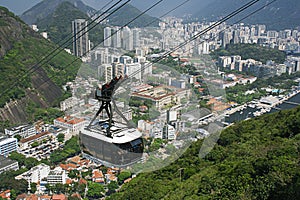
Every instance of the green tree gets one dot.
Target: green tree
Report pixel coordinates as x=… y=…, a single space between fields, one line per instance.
x=31 y=162
x=17 y=157
x=18 y=137
x=35 y=144
x=95 y=190
x=33 y=187
x=123 y=176
x=60 y=137
x=112 y=186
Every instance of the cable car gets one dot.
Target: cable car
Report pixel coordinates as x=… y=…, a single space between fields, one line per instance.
x=106 y=141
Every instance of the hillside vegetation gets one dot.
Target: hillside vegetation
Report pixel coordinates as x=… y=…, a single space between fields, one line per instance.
x=251 y=51
x=20 y=77
x=254 y=159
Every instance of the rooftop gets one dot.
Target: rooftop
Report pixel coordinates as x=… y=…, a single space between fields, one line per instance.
x=34 y=137
x=5 y=161
x=70 y=120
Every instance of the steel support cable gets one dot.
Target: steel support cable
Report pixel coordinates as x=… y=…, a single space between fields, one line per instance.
x=138 y=16
x=240 y=20
x=234 y=13
x=43 y=61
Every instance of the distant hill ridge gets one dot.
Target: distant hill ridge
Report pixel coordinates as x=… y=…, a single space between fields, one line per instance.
x=47 y=7
x=45 y=10
x=277 y=16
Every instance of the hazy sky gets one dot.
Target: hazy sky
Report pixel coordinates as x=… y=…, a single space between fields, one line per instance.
x=19 y=6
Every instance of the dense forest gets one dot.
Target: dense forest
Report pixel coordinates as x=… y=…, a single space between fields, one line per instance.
x=251 y=51
x=254 y=159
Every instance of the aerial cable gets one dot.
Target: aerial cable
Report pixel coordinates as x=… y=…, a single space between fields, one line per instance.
x=238 y=21
x=128 y=23
x=191 y=39
x=214 y=25
x=38 y=65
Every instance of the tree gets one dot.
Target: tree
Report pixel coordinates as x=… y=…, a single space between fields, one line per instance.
x=34 y=144
x=123 y=176
x=95 y=190
x=17 y=157
x=73 y=174
x=18 y=137
x=31 y=162
x=60 y=137
x=112 y=186
x=33 y=187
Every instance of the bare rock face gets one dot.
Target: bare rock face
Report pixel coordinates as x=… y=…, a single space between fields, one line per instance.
x=42 y=90
x=10 y=31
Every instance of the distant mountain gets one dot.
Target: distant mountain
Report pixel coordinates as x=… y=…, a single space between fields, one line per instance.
x=20 y=50
x=277 y=16
x=47 y=7
x=128 y=13
x=58 y=23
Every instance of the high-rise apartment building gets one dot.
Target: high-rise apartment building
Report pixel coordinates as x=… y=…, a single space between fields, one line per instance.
x=116 y=37
x=80 y=37
x=127 y=39
x=107 y=37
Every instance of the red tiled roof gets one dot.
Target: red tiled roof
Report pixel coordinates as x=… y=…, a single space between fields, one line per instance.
x=75 y=159
x=70 y=120
x=82 y=181
x=45 y=197
x=34 y=137
x=32 y=197
x=68 y=166
x=5 y=194
x=97 y=174
x=68 y=181
x=59 y=197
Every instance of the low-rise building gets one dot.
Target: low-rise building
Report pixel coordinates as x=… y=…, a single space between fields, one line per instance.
x=24 y=131
x=5 y=194
x=98 y=176
x=35 y=174
x=27 y=142
x=58 y=175
x=7 y=164
x=74 y=124
x=163 y=96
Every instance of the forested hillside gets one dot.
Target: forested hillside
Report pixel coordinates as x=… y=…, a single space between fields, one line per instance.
x=251 y=51
x=254 y=159
x=23 y=78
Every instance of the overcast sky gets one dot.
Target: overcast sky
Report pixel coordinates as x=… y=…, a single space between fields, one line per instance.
x=19 y=6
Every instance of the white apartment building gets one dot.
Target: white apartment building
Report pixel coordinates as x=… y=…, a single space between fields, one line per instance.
x=35 y=174
x=58 y=175
x=7 y=145
x=24 y=131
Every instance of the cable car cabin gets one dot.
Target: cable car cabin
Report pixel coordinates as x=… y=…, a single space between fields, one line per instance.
x=124 y=147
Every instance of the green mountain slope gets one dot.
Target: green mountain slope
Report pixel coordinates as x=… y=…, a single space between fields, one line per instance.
x=128 y=13
x=278 y=16
x=42 y=87
x=47 y=7
x=255 y=159
x=58 y=24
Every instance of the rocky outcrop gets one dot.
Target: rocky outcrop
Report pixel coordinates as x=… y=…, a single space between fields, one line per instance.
x=10 y=31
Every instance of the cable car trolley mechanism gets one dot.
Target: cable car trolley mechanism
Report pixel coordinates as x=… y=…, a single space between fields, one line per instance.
x=110 y=142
